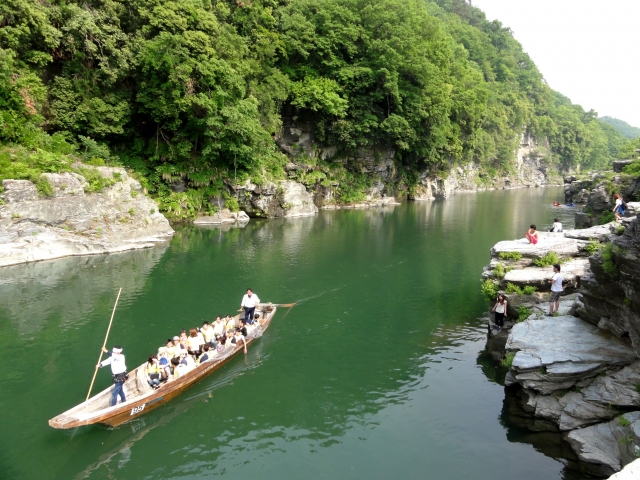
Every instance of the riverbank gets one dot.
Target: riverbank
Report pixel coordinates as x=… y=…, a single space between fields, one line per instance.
x=75 y=216
x=577 y=372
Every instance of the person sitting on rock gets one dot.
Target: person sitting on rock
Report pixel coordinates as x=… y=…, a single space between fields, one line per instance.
x=532 y=235
x=557 y=226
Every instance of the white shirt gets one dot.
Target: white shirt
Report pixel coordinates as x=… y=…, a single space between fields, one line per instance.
x=116 y=360
x=556 y=286
x=618 y=203
x=250 y=301
x=557 y=227
x=218 y=328
x=500 y=307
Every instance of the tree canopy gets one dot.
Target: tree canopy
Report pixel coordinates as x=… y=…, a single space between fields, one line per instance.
x=195 y=89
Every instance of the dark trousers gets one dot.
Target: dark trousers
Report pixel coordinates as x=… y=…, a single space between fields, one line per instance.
x=117 y=390
x=248 y=314
x=500 y=319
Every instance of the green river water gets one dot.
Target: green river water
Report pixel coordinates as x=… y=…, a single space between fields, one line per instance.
x=376 y=373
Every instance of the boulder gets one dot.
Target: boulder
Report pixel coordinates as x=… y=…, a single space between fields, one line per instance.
x=597 y=233
x=557 y=352
x=66 y=184
x=599 y=200
x=223 y=216
x=70 y=223
x=619 y=165
x=629 y=472
x=18 y=191
x=611 y=445
x=285 y=198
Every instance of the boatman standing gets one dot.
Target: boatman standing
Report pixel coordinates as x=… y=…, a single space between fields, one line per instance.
x=118 y=371
x=249 y=302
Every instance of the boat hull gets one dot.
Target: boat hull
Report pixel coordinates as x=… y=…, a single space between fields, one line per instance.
x=133 y=409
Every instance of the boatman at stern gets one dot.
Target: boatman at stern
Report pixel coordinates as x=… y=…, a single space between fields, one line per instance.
x=249 y=302
x=118 y=371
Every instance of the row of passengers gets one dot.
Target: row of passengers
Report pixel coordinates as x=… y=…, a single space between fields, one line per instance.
x=182 y=355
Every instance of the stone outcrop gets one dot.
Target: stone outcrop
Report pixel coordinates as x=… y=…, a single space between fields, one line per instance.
x=297 y=140
x=610 y=445
x=630 y=472
x=224 y=216
x=285 y=198
x=522 y=271
x=71 y=222
x=559 y=352
x=579 y=371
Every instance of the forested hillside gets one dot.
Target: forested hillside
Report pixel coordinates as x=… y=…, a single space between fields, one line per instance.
x=194 y=89
x=628 y=131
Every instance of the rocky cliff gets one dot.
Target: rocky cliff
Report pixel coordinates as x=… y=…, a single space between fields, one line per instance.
x=309 y=184
x=579 y=371
x=69 y=220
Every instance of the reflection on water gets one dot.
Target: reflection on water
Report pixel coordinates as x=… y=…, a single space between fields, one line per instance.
x=373 y=373
x=32 y=293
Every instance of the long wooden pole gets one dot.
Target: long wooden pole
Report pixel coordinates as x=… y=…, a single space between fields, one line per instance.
x=104 y=344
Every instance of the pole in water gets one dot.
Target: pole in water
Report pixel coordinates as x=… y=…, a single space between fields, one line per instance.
x=104 y=344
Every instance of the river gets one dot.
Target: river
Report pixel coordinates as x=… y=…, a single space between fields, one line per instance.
x=377 y=372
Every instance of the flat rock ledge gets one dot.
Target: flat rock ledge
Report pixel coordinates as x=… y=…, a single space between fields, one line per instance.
x=376 y=202
x=70 y=222
x=224 y=216
x=556 y=353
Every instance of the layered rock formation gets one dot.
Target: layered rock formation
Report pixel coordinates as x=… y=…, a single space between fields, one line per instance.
x=578 y=372
x=297 y=140
x=69 y=222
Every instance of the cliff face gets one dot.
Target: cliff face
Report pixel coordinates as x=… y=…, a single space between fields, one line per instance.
x=69 y=221
x=387 y=183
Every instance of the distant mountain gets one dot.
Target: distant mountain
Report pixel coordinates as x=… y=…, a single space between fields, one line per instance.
x=623 y=127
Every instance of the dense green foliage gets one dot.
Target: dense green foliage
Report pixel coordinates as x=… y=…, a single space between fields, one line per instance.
x=626 y=130
x=193 y=90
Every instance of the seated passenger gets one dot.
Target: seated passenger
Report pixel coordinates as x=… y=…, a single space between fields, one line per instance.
x=239 y=338
x=194 y=343
x=183 y=339
x=175 y=349
x=218 y=326
x=175 y=372
x=153 y=371
x=231 y=337
x=242 y=328
x=220 y=349
x=187 y=361
x=206 y=355
x=230 y=322
x=208 y=333
x=165 y=367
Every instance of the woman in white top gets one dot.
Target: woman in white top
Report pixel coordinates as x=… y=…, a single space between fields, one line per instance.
x=618 y=209
x=557 y=226
x=195 y=342
x=218 y=326
x=500 y=309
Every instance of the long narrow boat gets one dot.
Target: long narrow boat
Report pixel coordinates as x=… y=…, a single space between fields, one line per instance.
x=141 y=398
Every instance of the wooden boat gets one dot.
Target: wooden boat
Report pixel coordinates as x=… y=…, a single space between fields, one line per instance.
x=141 y=398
